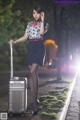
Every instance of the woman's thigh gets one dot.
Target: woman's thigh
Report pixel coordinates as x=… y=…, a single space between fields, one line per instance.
x=34 y=67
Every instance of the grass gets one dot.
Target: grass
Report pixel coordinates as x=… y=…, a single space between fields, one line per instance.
x=50 y=105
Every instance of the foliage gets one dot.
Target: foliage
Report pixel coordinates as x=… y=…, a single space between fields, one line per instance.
x=15 y=14
x=50 y=105
x=11 y=27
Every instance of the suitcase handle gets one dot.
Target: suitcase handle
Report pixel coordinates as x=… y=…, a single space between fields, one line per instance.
x=11 y=60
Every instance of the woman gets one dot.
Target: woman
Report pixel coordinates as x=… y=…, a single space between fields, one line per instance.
x=36 y=51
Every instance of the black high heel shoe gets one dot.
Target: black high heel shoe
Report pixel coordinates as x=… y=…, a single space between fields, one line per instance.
x=34 y=112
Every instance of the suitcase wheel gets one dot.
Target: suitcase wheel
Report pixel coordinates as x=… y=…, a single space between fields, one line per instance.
x=10 y=114
x=23 y=114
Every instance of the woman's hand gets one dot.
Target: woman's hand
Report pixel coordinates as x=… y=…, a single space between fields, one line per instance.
x=42 y=16
x=42 y=24
x=12 y=41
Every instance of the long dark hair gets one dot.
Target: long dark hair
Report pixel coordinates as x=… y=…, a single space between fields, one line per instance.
x=38 y=8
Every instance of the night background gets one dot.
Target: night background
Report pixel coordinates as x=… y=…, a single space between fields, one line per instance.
x=62 y=43
x=64 y=28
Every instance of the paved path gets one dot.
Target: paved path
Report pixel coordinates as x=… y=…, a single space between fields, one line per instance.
x=47 y=84
x=74 y=107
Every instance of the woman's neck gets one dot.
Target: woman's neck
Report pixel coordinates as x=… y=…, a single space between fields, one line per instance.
x=37 y=20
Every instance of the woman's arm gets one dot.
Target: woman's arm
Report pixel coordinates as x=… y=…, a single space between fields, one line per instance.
x=21 y=39
x=42 y=23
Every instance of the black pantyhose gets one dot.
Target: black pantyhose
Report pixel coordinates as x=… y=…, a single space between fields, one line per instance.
x=34 y=84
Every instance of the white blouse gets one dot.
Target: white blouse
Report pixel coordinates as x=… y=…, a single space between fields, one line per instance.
x=33 y=29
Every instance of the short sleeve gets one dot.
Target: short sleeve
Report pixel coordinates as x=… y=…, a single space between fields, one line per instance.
x=27 y=29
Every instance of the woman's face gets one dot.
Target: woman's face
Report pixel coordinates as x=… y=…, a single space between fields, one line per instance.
x=36 y=15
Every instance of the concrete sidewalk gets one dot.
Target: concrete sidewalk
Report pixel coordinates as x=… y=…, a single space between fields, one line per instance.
x=74 y=107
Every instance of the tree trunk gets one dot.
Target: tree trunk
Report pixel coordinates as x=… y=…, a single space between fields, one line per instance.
x=58 y=31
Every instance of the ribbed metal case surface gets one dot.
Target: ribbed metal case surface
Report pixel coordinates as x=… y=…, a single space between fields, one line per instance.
x=18 y=96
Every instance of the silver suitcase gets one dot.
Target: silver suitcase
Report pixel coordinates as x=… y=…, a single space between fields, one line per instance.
x=17 y=91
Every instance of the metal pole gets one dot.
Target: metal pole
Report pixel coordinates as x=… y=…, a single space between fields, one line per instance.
x=11 y=60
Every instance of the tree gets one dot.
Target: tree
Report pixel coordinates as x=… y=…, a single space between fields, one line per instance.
x=9 y=25
x=15 y=14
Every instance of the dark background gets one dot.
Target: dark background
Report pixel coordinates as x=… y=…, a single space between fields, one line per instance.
x=64 y=28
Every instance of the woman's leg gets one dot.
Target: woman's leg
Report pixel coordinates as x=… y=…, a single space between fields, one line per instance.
x=34 y=84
